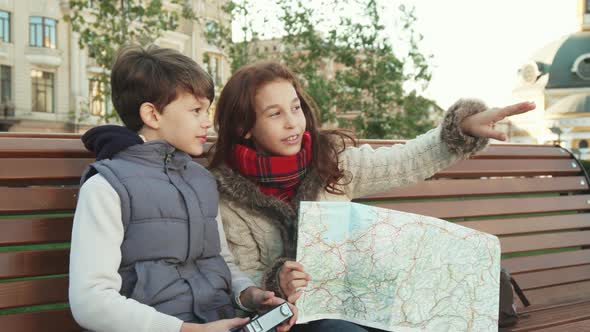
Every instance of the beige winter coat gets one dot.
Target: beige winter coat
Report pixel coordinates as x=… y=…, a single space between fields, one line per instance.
x=261 y=230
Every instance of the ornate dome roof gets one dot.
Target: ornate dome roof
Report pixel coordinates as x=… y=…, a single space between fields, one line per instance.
x=571 y=65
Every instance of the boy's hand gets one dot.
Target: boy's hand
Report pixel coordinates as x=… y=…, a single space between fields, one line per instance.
x=262 y=301
x=222 y=325
x=259 y=300
x=292 y=276
x=482 y=124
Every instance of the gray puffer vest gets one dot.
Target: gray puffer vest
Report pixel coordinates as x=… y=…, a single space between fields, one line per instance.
x=171 y=252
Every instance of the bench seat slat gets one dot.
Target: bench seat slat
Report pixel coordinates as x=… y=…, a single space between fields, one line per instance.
x=516 y=265
x=511 y=226
x=553 y=317
x=33 y=292
x=524 y=243
x=17 y=264
x=490 y=207
x=580 y=326
x=60 y=320
x=555 y=295
x=35 y=230
x=553 y=277
x=33 y=199
x=473 y=187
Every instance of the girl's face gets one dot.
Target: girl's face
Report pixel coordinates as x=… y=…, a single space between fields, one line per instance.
x=280 y=122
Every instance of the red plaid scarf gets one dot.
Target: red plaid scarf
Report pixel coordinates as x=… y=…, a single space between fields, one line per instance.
x=278 y=176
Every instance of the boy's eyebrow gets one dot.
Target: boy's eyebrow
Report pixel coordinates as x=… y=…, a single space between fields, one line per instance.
x=296 y=99
x=198 y=105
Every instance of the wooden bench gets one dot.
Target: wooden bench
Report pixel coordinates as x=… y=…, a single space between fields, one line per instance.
x=535 y=198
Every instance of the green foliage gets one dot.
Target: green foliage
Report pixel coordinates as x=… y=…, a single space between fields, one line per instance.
x=240 y=52
x=585 y=164
x=106 y=25
x=351 y=67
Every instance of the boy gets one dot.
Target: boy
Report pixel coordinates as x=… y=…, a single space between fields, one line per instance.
x=148 y=253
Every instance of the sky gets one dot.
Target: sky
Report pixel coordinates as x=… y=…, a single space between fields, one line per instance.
x=477 y=46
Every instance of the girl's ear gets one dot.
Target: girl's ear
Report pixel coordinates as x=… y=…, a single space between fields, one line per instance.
x=149 y=115
x=248 y=135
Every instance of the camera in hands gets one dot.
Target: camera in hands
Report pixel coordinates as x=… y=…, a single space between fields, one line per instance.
x=267 y=321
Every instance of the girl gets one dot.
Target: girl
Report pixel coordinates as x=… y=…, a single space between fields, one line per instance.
x=270 y=155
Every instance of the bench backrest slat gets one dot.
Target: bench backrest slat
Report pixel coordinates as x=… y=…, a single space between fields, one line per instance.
x=519 y=265
x=535 y=242
x=42 y=147
x=20 y=264
x=41 y=321
x=33 y=292
x=492 y=207
x=37 y=199
x=43 y=170
x=514 y=226
x=35 y=230
x=510 y=167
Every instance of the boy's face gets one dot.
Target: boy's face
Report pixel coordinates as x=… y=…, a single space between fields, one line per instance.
x=184 y=123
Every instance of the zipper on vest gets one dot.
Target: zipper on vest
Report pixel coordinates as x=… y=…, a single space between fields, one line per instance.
x=167 y=159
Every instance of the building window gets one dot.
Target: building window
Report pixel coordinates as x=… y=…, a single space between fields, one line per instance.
x=212 y=33
x=5 y=84
x=97 y=99
x=42 y=91
x=42 y=32
x=582 y=66
x=4 y=26
x=212 y=27
x=583 y=144
x=215 y=68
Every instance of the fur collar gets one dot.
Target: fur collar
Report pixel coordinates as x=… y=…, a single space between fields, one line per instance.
x=238 y=189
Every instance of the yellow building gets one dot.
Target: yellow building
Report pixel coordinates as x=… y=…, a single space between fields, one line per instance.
x=47 y=82
x=558 y=79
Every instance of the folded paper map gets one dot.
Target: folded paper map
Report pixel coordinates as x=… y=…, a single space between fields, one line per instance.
x=396 y=271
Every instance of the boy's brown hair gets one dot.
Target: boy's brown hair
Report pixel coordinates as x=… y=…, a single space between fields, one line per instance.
x=155 y=75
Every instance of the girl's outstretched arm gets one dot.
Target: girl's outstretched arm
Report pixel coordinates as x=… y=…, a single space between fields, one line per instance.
x=465 y=130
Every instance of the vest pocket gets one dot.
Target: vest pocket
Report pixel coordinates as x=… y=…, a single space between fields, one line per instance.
x=157 y=282
x=219 y=304
x=218 y=300
x=138 y=292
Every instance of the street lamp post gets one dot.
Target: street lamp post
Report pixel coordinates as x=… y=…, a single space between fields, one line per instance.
x=556 y=130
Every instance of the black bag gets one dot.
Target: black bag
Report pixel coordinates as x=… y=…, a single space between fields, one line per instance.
x=508 y=315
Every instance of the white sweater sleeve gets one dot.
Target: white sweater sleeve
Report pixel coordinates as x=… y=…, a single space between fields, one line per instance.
x=95 y=257
x=240 y=280
x=378 y=170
